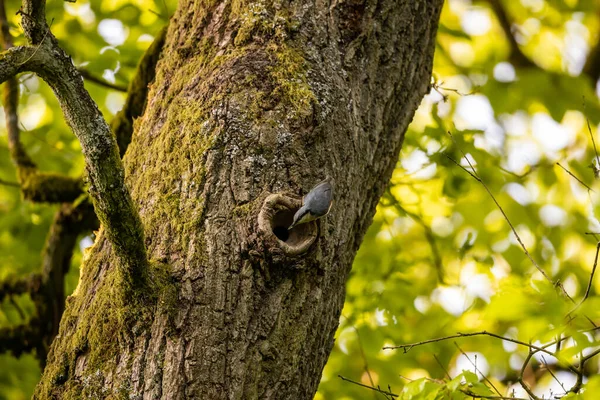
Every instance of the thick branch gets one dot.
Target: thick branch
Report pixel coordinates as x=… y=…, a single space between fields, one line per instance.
x=592 y=64
x=49 y=187
x=111 y=197
x=14 y=61
x=35 y=186
x=34 y=20
x=13 y=286
x=47 y=288
x=122 y=124
x=517 y=58
x=22 y=338
x=69 y=222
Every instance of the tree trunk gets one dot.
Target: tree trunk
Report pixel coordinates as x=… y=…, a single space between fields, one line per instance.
x=253 y=104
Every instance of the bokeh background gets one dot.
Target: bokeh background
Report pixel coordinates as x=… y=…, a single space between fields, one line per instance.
x=516 y=84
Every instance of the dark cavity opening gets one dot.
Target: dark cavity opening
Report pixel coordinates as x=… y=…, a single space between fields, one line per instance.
x=282 y=233
x=281 y=222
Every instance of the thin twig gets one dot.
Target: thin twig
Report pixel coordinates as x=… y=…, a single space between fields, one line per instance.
x=9 y=183
x=593 y=141
x=487 y=189
x=364 y=357
x=17 y=307
x=481 y=396
x=522 y=372
x=390 y=394
x=576 y=178
x=589 y=286
x=40 y=44
x=549 y=369
x=408 y=347
x=94 y=79
x=429 y=236
x=442 y=367
x=485 y=378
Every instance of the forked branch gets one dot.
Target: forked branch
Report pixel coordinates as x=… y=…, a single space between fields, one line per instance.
x=112 y=201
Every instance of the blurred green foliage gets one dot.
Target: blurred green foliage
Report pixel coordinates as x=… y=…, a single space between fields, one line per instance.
x=440 y=257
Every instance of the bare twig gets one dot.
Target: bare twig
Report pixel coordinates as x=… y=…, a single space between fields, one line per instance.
x=442 y=367
x=524 y=385
x=437 y=258
x=589 y=286
x=478 y=179
x=364 y=357
x=480 y=396
x=88 y=76
x=549 y=369
x=408 y=347
x=485 y=378
x=385 y=392
x=576 y=178
x=593 y=144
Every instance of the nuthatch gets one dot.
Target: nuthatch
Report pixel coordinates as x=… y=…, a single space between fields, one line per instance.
x=315 y=204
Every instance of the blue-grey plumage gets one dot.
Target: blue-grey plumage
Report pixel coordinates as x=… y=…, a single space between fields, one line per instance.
x=315 y=204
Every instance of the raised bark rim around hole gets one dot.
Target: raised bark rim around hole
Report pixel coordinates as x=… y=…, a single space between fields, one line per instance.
x=275 y=215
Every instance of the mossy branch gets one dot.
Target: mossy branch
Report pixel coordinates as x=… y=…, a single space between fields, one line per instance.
x=14 y=286
x=15 y=61
x=46 y=288
x=22 y=338
x=112 y=201
x=34 y=20
x=49 y=187
x=122 y=124
x=35 y=186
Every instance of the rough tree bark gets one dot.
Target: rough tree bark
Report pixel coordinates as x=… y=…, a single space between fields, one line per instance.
x=253 y=103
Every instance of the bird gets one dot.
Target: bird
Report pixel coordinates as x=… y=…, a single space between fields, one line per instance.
x=315 y=204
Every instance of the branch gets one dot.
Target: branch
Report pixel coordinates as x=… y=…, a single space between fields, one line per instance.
x=49 y=187
x=35 y=186
x=437 y=258
x=386 y=393
x=34 y=20
x=408 y=347
x=22 y=338
x=70 y=221
x=15 y=61
x=122 y=124
x=47 y=288
x=9 y=183
x=524 y=385
x=516 y=57
x=13 y=286
x=592 y=64
x=94 y=79
x=574 y=177
x=112 y=201
x=474 y=364
x=487 y=189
